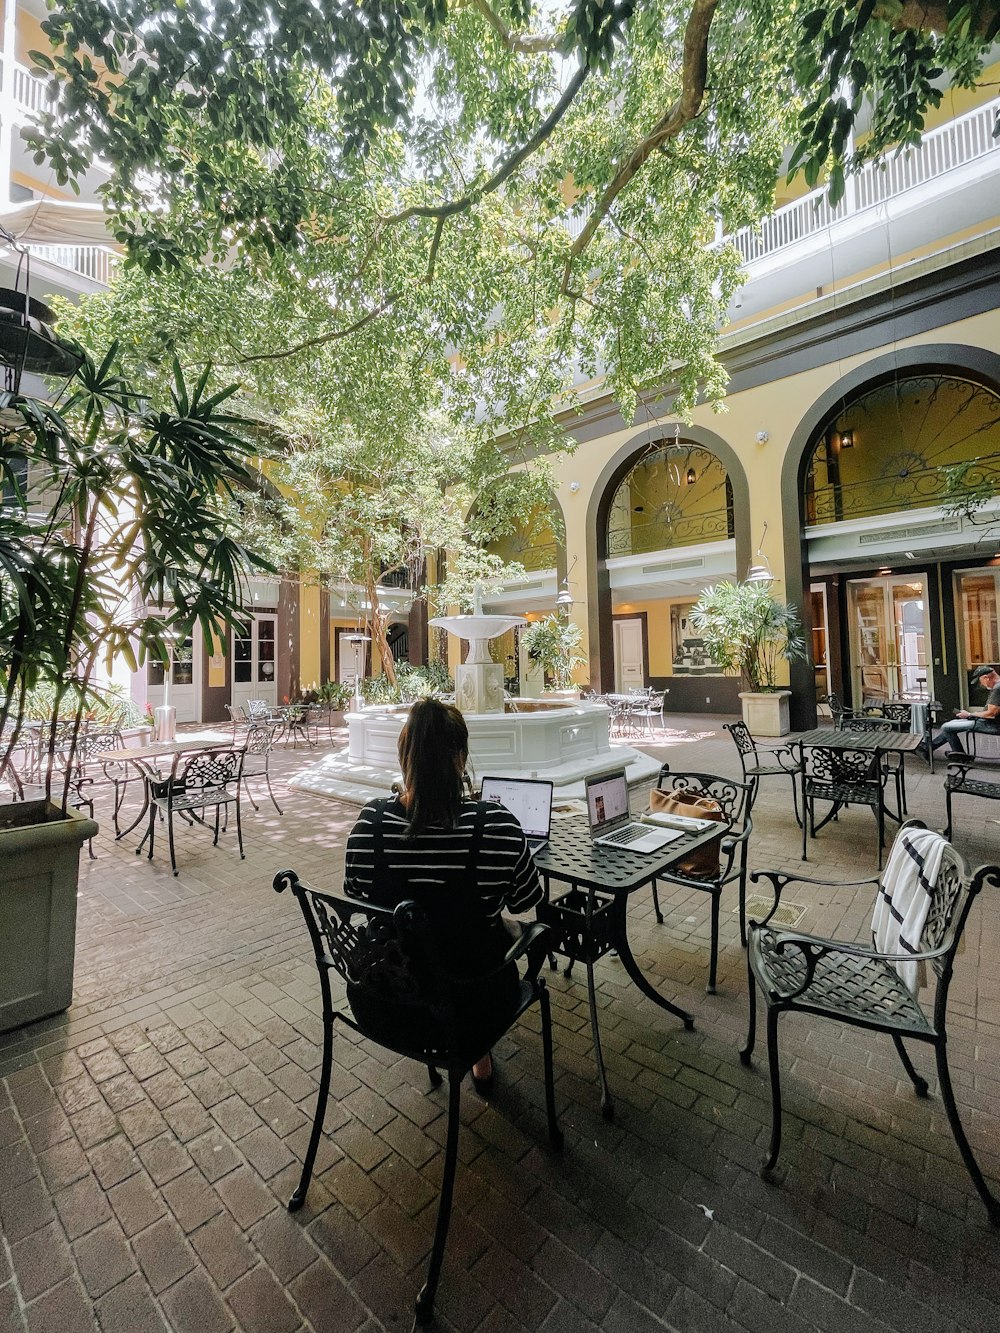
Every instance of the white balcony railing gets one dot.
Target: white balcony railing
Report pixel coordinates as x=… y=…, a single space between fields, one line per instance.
x=95 y=262
x=966 y=139
x=30 y=94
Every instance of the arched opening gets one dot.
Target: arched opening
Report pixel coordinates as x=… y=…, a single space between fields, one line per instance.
x=670 y=519
x=897 y=485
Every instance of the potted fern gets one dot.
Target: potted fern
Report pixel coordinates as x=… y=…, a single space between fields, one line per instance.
x=747 y=630
x=109 y=505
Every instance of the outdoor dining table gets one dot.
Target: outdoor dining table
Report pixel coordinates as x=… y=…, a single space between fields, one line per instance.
x=590 y=919
x=143 y=758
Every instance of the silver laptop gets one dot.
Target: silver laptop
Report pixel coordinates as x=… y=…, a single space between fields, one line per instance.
x=611 y=825
x=529 y=800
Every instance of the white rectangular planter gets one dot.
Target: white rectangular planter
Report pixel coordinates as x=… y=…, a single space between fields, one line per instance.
x=766 y=714
x=39 y=875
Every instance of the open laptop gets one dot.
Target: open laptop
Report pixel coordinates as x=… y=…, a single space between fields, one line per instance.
x=611 y=825
x=529 y=800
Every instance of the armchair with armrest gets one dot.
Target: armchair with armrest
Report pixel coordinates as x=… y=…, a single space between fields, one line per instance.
x=761 y=759
x=391 y=964
x=858 y=985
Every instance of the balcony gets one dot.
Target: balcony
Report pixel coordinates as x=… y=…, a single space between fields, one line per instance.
x=967 y=139
x=97 y=263
x=30 y=94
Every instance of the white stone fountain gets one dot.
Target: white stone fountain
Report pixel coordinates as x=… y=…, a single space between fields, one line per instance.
x=563 y=741
x=478 y=680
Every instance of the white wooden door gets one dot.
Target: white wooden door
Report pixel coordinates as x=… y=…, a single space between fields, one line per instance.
x=255 y=661
x=185 y=680
x=629 y=672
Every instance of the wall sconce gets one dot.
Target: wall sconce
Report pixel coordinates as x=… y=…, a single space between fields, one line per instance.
x=692 y=476
x=847 y=439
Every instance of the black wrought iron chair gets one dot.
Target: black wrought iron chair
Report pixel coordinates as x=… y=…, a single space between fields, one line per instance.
x=755 y=767
x=257 y=748
x=390 y=962
x=899 y=714
x=970 y=775
x=892 y=760
x=842 y=777
x=855 y=984
x=838 y=710
x=236 y=717
x=735 y=799
x=205 y=780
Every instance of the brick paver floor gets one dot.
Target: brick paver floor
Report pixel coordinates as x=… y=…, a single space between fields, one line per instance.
x=150 y=1137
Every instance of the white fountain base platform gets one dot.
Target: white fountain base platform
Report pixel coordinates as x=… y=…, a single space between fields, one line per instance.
x=565 y=743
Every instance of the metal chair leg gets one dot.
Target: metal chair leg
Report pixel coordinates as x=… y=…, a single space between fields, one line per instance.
x=772 y=1059
x=971 y=1165
x=239 y=827
x=713 y=963
x=299 y=1197
x=246 y=789
x=170 y=840
x=919 y=1084
x=270 y=791
x=555 y=1133
x=746 y=1054
x=425 y=1301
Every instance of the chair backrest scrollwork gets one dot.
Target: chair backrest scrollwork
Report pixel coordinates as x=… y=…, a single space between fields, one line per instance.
x=732 y=796
x=208 y=770
x=833 y=767
x=741 y=734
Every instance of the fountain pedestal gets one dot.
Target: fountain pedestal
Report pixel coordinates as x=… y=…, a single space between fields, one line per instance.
x=478 y=680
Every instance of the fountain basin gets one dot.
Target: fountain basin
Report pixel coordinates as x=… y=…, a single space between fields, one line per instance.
x=565 y=742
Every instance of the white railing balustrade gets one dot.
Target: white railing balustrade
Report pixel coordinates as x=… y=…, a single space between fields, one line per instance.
x=966 y=139
x=96 y=262
x=30 y=93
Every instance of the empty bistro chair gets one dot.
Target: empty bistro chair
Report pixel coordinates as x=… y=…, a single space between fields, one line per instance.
x=203 y=781
x=861 y=985
x=762 y=760
x=717 y=864
x=401 y=995
x=842 y=777
x=257 y=750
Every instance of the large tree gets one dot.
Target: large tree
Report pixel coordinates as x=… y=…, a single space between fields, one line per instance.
x=413 y=162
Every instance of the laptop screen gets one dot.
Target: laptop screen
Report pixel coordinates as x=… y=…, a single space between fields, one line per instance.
x=607 y=800
x=528 y=799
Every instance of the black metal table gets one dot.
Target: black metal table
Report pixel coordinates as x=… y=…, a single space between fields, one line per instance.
x=843 y=738
x=589 y=920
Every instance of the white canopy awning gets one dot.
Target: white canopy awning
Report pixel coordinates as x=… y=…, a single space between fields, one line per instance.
x=57 y=222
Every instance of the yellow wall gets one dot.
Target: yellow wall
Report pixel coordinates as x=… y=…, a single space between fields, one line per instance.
x=309 y=605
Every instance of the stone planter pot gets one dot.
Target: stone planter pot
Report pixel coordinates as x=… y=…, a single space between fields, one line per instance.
x=39 y=875
x=766 y=714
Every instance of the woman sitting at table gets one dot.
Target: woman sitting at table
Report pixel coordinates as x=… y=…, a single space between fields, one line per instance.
x=463 y=861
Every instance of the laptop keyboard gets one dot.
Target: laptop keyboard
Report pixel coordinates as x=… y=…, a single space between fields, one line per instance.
x=630 y=833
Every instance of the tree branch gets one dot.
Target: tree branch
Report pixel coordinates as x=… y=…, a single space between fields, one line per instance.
x=513 y=41
x=683 y=111
x=503 y=173
x=333 y=335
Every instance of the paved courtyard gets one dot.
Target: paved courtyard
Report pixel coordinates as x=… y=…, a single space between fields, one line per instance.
x=150 y=1137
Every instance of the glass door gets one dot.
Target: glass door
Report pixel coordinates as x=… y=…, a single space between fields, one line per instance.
x=977 y=599
x=255 y=661
x=180 y=691
x=820 y=640
x=890 y=638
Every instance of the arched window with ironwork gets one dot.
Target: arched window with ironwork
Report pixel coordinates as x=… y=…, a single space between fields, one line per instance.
x=915 y=441
x=676 y=494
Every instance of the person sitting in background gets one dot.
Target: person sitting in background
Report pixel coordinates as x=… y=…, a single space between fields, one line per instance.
x=986 y=719
x=463 y=861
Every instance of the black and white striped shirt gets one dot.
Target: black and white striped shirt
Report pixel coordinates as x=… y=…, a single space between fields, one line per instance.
x=504 y=873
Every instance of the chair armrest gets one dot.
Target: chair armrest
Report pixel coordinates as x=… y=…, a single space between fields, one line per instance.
x=531 y=943
x=779 y=881
x=732 y=842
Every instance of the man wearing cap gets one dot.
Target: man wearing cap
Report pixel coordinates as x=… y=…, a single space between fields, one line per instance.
x=985 y=719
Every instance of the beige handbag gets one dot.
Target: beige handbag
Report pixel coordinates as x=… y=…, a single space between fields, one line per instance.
x=703 y=862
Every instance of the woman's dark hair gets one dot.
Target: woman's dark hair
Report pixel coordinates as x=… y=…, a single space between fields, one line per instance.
x=434 y=737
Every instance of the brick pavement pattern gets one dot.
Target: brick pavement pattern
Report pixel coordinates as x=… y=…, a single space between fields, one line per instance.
x=150 y=1137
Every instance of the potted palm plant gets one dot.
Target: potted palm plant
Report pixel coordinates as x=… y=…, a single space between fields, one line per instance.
x=553 y=643
x=109 y=505
x=747 y=630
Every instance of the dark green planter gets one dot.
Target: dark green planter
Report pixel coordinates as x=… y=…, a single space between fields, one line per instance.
x=39 y=874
